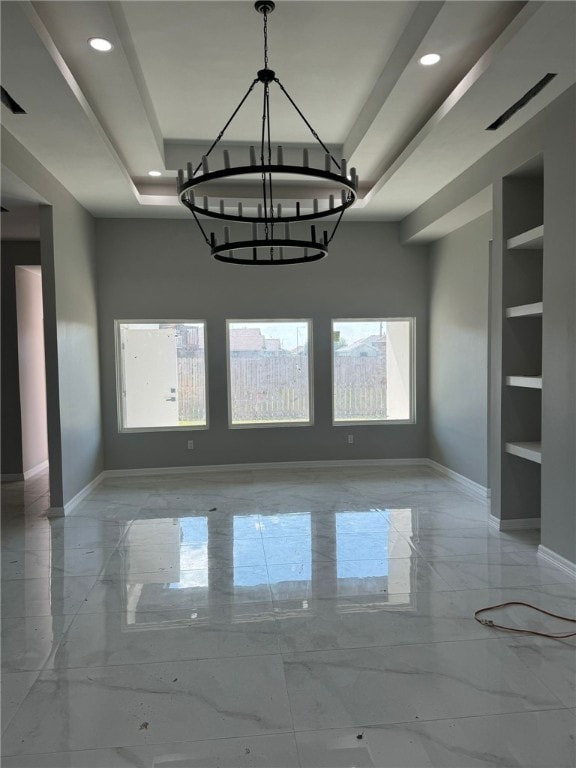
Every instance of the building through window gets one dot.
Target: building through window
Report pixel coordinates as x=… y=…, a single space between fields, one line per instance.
x=372 y=370
x=161 y=375
x=269 y=372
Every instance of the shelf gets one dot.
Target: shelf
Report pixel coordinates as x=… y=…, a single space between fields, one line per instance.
x=531 y=382
x=525 y=310
x=532 y=240
x=530 y=451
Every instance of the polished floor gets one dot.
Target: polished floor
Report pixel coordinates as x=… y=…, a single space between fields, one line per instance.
x=277 y=619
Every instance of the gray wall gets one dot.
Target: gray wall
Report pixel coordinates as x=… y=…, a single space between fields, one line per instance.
x=559 y=331
x=13 y=253
x=161 y=270
x=458 y=352
x=71 y=329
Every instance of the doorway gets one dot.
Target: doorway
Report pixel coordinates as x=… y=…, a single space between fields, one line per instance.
x=31 y=369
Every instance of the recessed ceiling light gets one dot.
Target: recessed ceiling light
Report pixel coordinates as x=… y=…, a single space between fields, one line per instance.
x=100 y=44
x=429 y=59
x=154 y=173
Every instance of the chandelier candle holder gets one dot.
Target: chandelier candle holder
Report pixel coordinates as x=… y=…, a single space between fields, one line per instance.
x=269 y=240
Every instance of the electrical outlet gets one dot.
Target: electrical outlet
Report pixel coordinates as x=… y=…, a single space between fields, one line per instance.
x=190 y=445
x=350 y=438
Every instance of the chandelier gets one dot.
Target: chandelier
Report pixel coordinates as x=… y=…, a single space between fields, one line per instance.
x=271 y=239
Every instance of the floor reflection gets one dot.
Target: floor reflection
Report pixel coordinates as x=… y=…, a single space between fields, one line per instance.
x=198 y=564
x=220 y=620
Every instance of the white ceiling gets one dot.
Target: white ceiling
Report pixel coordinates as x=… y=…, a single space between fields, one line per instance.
x=100 y=122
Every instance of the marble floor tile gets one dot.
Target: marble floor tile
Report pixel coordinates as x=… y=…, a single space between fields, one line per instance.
x=240 y=553
x=445 y=543
x=305 y=499
x=527 y=740
x=15 y=687
x=414 y=520
x=106 y=511
x=282 y=550
x=337 y=623
x=551 y=661
x=561 y=598
x=293 y=581
x=362 y=522
x=86 y=535
x=135 y=496
x=351 y=578
x=125 y=638
x=219 y=619
x=52 y=596
x=393 y=575
x=274 y=751
x=558 y=598
x=27 y=510
x=289 y=524
x=467 y=573
x=45 y=564
x=142 y=704
x=167 y=590
x=27 y=643
x=374 y=545
x=145 y=595
x=334 y=689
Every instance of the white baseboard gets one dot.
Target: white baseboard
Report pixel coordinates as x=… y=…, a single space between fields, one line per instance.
x=75 y=500
x=11 y=477
x=267 y=465
x=554 y=559
x=515 y=524
x=36 y=470
x=465 y=482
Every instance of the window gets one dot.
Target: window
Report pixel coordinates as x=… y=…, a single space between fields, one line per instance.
x=161 y=375
x=372 y=370
x=269 y=372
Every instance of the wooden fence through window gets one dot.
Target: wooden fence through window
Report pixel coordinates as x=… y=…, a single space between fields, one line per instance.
x=275 y=388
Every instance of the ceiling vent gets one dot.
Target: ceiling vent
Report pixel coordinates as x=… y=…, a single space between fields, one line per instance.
x=9 y=102
x=528 y=96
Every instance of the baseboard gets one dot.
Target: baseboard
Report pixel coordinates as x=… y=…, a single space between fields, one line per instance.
x=11 y=477
x=267 y=465
x=54 y=512
x=515 y=524
x=465 y=482
x=36 y=470
x=554 y=559
x=494 y=522
x=75 y=500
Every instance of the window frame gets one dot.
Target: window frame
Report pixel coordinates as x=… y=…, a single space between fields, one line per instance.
x=275 y=424
x=120 y=371
x=412 y=371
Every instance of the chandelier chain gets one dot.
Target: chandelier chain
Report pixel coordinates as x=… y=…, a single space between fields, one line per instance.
x=263 y=159
x=312 y=131
x=204 y=235
x=270 y=187
x=265 y=14
x=232 y=116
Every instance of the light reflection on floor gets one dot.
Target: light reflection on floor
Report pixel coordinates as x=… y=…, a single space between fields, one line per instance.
x=276 y=618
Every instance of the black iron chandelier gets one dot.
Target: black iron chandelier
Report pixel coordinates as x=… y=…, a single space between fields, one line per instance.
x=271 y=239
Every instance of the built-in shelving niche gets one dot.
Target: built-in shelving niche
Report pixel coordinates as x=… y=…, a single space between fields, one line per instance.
x=522 y=316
